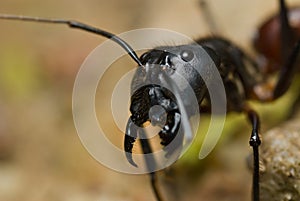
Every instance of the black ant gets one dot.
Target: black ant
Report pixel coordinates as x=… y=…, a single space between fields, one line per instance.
x=243 y=78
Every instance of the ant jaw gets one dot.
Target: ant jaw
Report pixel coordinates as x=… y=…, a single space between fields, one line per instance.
x=129 y=140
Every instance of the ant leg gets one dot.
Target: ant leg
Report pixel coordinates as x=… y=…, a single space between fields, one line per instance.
x=209 y=17
x=287 y=73
x=132 y=131
x=254 y=143
x=287 y=35
x=289 y=57
x=150 y=162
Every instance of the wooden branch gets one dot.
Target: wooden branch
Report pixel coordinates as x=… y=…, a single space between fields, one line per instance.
x=280 y=162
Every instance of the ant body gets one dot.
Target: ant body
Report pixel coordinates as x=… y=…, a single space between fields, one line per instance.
x=242 y=77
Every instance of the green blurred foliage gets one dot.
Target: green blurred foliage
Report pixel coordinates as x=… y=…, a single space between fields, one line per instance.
x=20 y=75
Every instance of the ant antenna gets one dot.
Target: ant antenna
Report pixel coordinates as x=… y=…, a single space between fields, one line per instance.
x=78 y=25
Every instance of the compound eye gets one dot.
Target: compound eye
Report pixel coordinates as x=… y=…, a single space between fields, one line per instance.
x=187 y=55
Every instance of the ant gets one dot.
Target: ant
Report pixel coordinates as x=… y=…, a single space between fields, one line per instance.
x=243 y=78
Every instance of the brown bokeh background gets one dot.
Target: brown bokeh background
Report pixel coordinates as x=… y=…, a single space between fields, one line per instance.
x=41 y=157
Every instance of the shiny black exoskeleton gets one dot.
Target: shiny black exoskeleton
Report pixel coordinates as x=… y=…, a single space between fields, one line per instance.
x=243 y=80
x=236 y=69
x=157 y=63
x=232 y=64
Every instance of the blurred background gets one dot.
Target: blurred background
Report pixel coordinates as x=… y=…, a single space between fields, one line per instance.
x=41 y=156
